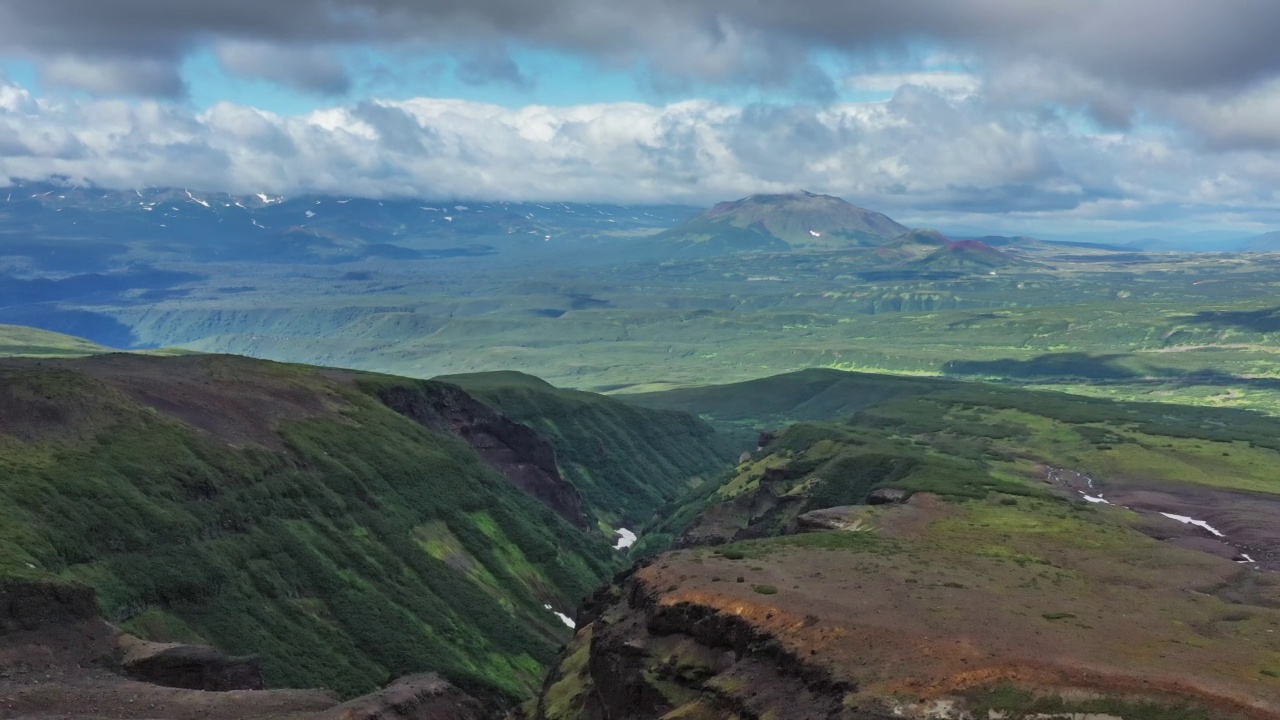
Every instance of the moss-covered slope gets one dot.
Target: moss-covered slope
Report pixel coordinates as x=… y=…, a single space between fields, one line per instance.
x=284 y=511
x=626 y=460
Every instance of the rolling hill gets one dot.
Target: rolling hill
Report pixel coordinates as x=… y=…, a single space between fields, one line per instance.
x=966 y=255
x=792 y=221
x=19 y=340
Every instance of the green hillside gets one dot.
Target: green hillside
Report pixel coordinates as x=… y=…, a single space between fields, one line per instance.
x=627 y=461
x=286 y=511
x=18 y=340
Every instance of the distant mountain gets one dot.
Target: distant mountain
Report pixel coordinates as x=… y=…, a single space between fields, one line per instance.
x=55 y=227
x=966 y=255
x=1267 y=242
x=794 y=221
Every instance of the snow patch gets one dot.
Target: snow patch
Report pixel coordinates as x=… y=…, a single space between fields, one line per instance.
x=626 y=539
x=268 y=200
x=568 y=621
x=815 y=233
x=1096 y=500
x=197 y=200
x=1247 y=560
x=1192 y=521
x=310 y=214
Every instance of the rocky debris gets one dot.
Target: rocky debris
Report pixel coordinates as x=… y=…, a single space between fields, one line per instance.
x=515 y=450
x=744 y=457
x=33 y=604
x=415 y=697
x=887 y=496
x=193 y=667
x=765 y=439
x=845 y=517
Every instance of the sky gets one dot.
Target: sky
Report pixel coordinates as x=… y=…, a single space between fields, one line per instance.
x=1088 y=116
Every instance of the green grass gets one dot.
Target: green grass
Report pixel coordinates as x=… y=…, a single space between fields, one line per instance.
x=627 y=461
x=330 y=551
x=20 y=341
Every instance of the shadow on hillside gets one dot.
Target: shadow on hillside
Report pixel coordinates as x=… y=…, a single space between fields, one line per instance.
x=1057 y=365
x=1265 y=320
x=1070 y=368
x=95 y=327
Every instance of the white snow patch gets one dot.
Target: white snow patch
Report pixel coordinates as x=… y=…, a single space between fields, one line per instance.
x=461 y=207
x=1096 y=500
x=1246 y=559
x=267 y=200
x=448 y=218
x=310 y=214
x=815 y=233
x=198 y=200
x=563 y=618
x=626 y=539
x=1192 y=521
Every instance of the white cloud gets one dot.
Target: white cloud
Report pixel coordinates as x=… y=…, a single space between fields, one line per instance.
x=946 y=81
x=926 y=153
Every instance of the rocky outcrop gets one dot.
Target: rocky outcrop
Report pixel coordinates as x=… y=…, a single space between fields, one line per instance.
x=648 y=659
x=514 y=450
x=845 y=517
x=193 y=667
x=887 y=496
x=416 y=697
x=33 y=604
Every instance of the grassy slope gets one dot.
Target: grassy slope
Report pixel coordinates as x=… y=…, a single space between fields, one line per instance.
x=627 y=461
x=310 y=524
x=964 y=439
x=17 y=340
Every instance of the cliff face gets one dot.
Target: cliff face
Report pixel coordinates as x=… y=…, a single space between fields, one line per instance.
x=514 y=450
x=648 y=655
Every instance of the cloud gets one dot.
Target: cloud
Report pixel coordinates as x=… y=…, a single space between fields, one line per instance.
x=115 y=76
x=311 y=69
x=926 y=155
x=947 y=81
x=1166 y=45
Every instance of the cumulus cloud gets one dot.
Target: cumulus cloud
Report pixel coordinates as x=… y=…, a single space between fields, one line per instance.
x=924 y=154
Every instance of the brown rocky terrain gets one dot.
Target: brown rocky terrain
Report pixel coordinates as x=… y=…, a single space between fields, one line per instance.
x=929 y=610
